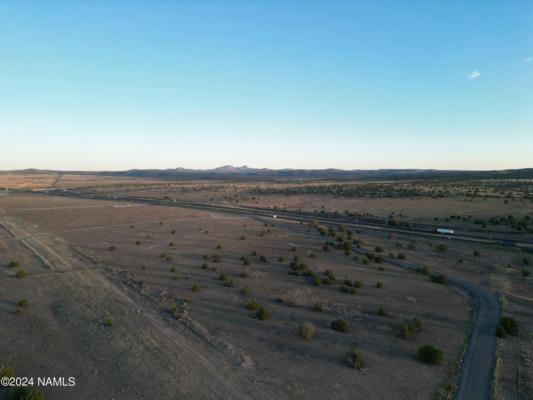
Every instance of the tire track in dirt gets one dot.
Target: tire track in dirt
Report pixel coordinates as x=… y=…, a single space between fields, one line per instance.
x=146 y=343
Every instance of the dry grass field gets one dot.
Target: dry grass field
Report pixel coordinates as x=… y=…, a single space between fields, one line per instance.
x=145 y=301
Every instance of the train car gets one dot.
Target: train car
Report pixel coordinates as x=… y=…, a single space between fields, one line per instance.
x=443 y=230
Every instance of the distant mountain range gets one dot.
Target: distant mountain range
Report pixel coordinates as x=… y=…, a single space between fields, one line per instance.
x=246 y=173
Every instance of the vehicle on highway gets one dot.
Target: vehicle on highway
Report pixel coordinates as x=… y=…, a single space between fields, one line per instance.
x=443 y=230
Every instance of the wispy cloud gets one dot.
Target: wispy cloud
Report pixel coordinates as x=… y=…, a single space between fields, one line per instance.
x=528 y=59
x=474 y=74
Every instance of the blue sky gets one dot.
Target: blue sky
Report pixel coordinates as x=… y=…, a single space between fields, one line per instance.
x=355 y=85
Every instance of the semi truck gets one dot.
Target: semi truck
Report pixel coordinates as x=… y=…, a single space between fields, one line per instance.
x=443 y=230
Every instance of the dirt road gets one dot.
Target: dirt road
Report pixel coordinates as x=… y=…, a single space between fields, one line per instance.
x=478 y=361
x=145 y=354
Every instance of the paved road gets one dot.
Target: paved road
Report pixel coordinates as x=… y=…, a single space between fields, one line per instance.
x=478 y=362
x=419 y=230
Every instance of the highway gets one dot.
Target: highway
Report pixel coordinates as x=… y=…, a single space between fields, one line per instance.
x=477 y=368
x=478 y=361
x=417 y=230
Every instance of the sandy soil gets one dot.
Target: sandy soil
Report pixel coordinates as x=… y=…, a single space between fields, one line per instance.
x=217 y=349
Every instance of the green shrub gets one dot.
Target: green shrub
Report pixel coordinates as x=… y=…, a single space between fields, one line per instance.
x=510 y=325
x=20 y=274
x=171 y=244
x=348 y=282
x=109 y=322
x=252 y=305
x=526 y=261
x=439 y=278
x=328 y=280
x=263 y=258
x=354 y=359
x=404 y=330
x=340 y=325
x=13 y=264
x=382 y=312
x=175 y=312
x=206 y=256
x=204 y=266
x=366 y=261
x=244 y=275
x=243 y=237
x=306 y=330
x=112 y=248
x=222 y=277
x=318 y=307
x=526 y=272
x=217 y=258
x=25 y=393
x=429 y=354
x=262 y=314
x=23 y=303
x=477 y=253
x=176 y=278
x=196 y=288
x=230 y=283
x=245 y=290
x=358 y=284
x=219 y=246
x=173 y=269
x=379 y=249
x=443 y=248
x=169 y=258
x=379 y=285
x=143 y=266
x=138 y=242
x=415 y=325
x=254 y=253
x=281 y=259
x=426 y=270
x=317 y=281
x=7 y=372
x=173 y=232
x=347 y=289
x=401 y=256
x=312 y=255
x=500 y=332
